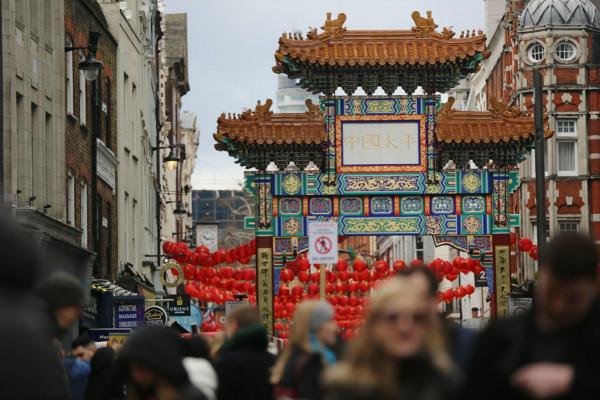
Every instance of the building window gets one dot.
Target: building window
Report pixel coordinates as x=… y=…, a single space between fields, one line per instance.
x=84 y=213
x=536 y=52
x=133 y=117
x=108 y=111
x=133 y=231
x=568 y=227
x=82 y=98
x=566 y=146
x=98 y=218
x=565 y=51
x=534 y=236
x=108 y=237
x=70 y=198
x=69 y=73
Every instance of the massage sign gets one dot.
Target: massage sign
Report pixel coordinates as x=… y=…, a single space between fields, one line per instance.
x=156 y=316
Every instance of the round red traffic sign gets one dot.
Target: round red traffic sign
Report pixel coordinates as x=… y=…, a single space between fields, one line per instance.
x=323 y=245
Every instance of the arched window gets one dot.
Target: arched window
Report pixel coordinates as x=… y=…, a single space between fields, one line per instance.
x=69 y=74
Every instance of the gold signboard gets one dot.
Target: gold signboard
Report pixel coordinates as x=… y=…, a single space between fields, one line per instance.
x=179 y=277
x=264 y=286
x=502 y=272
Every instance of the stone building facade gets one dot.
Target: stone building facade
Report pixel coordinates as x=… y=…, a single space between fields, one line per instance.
x=91 y=137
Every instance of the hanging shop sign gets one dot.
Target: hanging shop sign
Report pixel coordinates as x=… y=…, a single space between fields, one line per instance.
x=180 y=306
x=156 y=316
x=178 y=275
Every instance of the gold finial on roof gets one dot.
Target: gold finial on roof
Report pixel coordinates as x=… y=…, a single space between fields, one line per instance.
x=448 y=33
x=424 y=26
x=498 y=107
x=312 y=34
x=462 y=34
x=335 y=26
x=263 y=111
x=313 y=109
x=480 y=32
x=446 y=111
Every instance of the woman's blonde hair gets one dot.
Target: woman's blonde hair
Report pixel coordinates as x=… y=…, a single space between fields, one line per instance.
x=299 y=337
x=367 y=364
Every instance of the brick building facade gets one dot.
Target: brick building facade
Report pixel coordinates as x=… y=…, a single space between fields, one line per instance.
x=91 y=137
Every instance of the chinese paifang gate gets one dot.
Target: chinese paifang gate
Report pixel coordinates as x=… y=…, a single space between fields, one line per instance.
x=381 y=165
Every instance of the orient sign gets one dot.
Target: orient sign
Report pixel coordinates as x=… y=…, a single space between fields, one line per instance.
x=156 y=316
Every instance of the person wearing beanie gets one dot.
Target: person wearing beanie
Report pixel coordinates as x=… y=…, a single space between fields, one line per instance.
x=63 y=294
x=300 y=367
x=243 y=363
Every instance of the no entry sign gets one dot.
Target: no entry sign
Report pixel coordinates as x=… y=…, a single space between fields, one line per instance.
x=323 y=239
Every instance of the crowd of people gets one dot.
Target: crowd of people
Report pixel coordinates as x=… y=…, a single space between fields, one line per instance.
x=405 y=348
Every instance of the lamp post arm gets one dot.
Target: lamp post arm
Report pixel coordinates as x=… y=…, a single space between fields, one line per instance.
x=68 y=49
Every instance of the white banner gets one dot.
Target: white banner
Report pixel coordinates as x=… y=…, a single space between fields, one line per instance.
x=323 y=242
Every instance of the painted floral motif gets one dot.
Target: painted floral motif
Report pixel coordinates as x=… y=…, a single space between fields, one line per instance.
x=320 y=206
x=378 y=183
x=442 y=205
x=471 y=224
x=412 y=205
x=433 y=224
x=471 y=182
x=381 y=205
x=473 y=204
x=289 y=206
x=381 y=225
x=291 y=184
x=292 y=226
x=351 y=206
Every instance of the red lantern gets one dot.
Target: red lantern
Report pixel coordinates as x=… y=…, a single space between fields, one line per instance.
x=533 y=252
x=469 y=289
x=437 y=264
x=364 y=287
x=382 y=266
x=451 y=277
x=329 y=288
x=513 y=238
x=330 y=277
x=416 y=263
x=297 y=290
x=341 y=265
x=343 y=275
x=399 y=265
x=304 y=264
x=290 y=308
x=359 y=265
x=340 y=287
x=316 y=277
x=284 y=290
x=353 y=287
x=353 y=302
x=343 y=302
x=365 y=275
x=525 y=244
x=287 y=275
x=313 y=289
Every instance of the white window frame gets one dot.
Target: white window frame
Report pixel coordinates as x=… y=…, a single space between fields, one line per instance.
x=70 y=198
x=69 y=74
x=82 y=98
x=563 y=136
x=84 y=212
x=570 y=45
x=530 y=52
x=577 y=224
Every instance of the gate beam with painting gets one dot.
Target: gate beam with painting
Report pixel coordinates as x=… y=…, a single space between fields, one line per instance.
x=381 y=165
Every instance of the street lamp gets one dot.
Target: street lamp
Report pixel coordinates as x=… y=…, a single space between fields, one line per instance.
x=90 y=66
x=180 y=212
x=171 y=160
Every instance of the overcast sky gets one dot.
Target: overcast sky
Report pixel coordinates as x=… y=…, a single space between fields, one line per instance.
x=231 y=44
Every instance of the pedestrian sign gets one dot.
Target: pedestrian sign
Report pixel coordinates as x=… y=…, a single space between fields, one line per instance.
x=323 y=239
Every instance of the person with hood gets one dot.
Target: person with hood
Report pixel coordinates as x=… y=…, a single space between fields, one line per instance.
x=152 y=357
x=243 y=362
x=31 y=366
x=198 y=366
x=299 y=369
x=399 y=354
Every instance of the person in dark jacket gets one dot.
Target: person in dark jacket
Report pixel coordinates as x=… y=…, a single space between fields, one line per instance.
x=299 y=369
x=243 y=362
x=551 y=351
x=152 y=357
x=31 y=366
x=105 y=382
x=399 y=353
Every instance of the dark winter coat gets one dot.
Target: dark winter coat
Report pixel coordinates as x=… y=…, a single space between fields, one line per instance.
x=506 y=346
x=105 y=382
x=244 y=365
x=303 y=373
x=417 y=379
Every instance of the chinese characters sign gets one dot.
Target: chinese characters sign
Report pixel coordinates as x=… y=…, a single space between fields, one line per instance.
x=381 y=143
x=264 y=286
x=502 y=266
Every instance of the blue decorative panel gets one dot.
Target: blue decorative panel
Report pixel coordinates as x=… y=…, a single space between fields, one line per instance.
x=473 y=205
x=290 y=206
x=382 y=206
x=291 y=184
x=442 y=205
x=411 y=205
x=320 y=206
x=472 y=225
x=351 y=206
x=292 y=226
